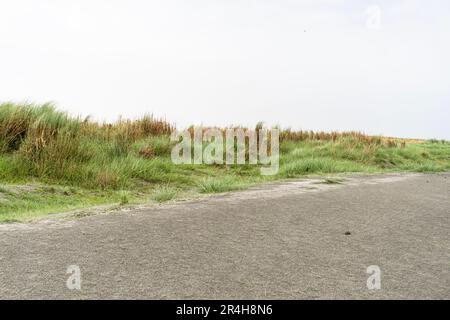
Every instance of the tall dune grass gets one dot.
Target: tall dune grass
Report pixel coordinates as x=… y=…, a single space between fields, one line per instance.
x=51 y=145
x=43 y=143
x=52 y=162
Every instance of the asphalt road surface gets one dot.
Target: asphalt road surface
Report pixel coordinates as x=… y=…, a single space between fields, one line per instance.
x=292 y=240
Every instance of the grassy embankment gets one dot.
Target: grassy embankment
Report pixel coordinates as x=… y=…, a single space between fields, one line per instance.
x=51 y=162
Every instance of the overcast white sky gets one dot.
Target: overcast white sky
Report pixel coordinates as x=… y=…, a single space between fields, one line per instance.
x=311 y=64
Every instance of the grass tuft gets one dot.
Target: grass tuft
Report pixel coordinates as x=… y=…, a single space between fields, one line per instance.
x=218 y=185
x=164 y=194
x=124 y=198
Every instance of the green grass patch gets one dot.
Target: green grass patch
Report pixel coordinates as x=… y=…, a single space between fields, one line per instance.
x=25 y=202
